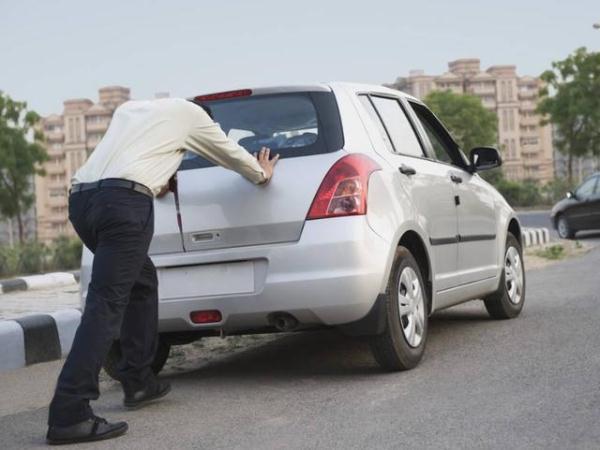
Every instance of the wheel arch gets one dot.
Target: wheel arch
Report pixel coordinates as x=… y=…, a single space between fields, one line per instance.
x=515 y=228
x=413 y=242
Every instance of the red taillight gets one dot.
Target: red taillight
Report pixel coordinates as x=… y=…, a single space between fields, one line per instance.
x=343 y=191
x=209 y=316
x=223 y=95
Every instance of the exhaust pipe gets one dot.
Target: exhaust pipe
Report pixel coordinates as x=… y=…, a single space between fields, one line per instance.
x=283 y=321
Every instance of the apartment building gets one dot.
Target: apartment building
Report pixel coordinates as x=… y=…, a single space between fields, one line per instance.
x=70 y=138
x=526 y=145
x=583 y=166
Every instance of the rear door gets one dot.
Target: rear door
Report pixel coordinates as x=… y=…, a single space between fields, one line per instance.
x=426 y=182
x=220 y=209
x=477 y=249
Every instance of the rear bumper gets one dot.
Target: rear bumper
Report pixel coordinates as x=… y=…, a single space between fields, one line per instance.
x=331 y=276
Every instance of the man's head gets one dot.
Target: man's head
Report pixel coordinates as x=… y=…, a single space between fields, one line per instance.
x=204 y=107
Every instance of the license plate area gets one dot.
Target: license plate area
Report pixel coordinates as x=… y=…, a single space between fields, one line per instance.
x=206 y=280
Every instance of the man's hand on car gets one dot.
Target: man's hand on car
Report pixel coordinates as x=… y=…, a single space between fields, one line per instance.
x=267 y=164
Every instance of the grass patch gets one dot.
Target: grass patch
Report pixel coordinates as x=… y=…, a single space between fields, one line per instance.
x=556 y=251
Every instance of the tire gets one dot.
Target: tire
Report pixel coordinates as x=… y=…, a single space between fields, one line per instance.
x=507 y=302
x=111 y=363
x=397 y=348
x=563 y=228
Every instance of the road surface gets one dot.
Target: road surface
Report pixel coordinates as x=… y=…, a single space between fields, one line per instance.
x=532 y=382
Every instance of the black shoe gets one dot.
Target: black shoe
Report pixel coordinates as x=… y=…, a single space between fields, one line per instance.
x=93 y=429
x=141 y=398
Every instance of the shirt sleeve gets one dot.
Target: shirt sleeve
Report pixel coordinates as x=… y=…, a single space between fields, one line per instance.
x=209 y=141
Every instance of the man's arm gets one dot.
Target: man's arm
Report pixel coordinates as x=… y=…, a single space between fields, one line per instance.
x=209 y=141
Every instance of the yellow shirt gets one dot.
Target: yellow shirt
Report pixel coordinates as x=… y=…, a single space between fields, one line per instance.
x=146 y=142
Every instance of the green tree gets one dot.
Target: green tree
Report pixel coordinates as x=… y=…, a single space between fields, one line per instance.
x=571 y=102
x=20 y=158
x=465 y=117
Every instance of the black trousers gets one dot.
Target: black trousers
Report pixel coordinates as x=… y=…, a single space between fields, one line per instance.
x=122 y=302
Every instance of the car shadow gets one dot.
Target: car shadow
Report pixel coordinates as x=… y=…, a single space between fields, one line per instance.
x=583 y=235
x=324 y=353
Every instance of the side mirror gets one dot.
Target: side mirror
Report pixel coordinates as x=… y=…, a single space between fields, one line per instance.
x=484 y=158
x=570 y=195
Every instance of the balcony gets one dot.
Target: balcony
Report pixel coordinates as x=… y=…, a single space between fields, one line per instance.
x=58 y=202
x=530 y=121
x=527 y=105
x=57 y=219
x=93 y=141
x=528 y=94
x=97 y=127
x=54 y=136
x=54 y=169
x=484 y=91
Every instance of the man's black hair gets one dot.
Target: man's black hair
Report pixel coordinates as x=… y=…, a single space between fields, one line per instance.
x=204 y=107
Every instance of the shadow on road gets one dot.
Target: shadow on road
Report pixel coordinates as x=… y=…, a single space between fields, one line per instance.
x=584 y=235
x=326 y=353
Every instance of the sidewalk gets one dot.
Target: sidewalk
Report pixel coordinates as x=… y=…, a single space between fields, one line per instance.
x=20 y=303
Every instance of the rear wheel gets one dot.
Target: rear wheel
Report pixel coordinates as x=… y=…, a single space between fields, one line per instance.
x=564 y=229
x=111 y=363
x=507 y=302
x=402 y=344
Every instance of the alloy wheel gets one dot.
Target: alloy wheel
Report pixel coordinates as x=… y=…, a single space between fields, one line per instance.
x=513 y=275
x=411 y=307
x=563 y=228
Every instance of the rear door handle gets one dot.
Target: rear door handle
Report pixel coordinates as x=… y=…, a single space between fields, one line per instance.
x=406 y=170
x=456 y=179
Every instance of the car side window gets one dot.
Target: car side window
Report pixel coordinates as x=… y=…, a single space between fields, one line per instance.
x=397 y=125
x=587 y=189
x=596 y=194
x=364 y=99
x=444 y=147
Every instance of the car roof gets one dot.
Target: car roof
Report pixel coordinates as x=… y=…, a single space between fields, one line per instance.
x=328 y=87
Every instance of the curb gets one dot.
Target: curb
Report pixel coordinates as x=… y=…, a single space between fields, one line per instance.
x=37 y=338
x=46 y=280
x=535 y=236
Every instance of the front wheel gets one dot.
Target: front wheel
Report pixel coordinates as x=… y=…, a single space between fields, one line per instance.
x=111 y=363
x=402 y=344
x=507 y=302
x=564 y=229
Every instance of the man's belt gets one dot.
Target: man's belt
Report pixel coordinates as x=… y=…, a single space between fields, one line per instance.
x=112 y=183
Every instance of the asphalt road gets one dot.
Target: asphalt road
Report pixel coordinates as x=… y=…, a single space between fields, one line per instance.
x=532 y=382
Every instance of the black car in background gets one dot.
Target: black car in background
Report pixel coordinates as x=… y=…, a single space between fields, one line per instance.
x=580 y=210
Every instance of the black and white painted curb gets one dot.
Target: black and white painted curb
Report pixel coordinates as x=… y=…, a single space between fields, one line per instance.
x=37 y=338
x=43 y=281
x=535 y=236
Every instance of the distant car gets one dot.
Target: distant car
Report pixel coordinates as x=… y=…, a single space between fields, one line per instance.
x=374 y=220
x=580 y=210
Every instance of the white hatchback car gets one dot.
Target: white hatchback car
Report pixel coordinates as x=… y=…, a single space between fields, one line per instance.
x=374 y=220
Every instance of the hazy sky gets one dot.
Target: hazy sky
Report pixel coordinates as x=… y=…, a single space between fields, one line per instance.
x=53 y=50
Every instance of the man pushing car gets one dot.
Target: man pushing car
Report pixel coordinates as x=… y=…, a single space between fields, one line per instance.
x=111 y=209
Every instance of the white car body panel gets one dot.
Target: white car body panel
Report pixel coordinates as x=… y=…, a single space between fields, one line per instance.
x=327 y=271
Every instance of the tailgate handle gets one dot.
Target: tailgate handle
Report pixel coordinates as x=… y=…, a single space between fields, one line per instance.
x=203 y=237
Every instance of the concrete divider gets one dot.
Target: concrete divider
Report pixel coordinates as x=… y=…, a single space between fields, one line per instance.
x=535 y=236
x=37 y=338
x=46 y=280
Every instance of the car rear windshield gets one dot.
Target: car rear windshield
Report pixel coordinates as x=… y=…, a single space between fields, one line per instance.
x=291 y=124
